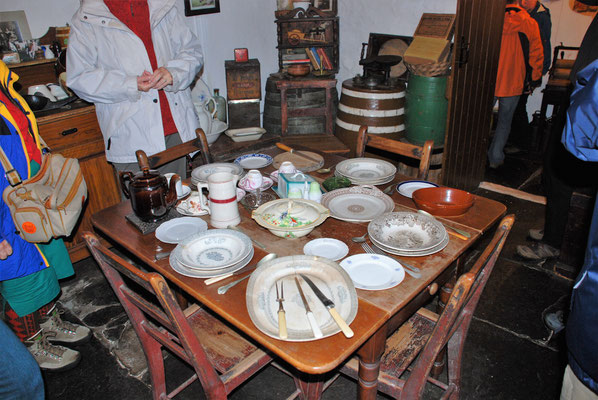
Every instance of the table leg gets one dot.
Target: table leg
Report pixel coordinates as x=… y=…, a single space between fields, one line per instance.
x=310 y=386
x=369 y=365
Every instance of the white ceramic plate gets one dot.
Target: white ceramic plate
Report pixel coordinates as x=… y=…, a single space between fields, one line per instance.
x=178 y=229
x=406 y=231
x=365 y=169
x=201 y=173
x=213 y=249
x=254 y=161
x=329 y=248
x=245 y=134
x=195 y=273
x=373 y=271
x=357 y=203
x=416 y=253
x=408 y=187
x=328 y=276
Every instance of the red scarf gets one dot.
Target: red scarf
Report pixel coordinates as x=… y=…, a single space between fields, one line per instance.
x=135 y=15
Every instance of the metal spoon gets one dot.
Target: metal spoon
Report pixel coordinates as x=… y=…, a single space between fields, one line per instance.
x=359 y=239
x=459 y=231
x=223 y=289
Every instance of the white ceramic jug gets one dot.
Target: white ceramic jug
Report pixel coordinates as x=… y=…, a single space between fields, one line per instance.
x=222 y=199
x=205 y=117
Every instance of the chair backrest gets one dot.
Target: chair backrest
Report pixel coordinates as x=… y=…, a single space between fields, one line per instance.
x=157 y=324
x=452 y=326
x=200 y=143
x=422 y=153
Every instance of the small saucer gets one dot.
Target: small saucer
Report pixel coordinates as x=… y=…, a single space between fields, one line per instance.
x=266 y=184
x=186 y=192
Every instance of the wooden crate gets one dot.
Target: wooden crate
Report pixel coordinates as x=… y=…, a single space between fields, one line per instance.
x=243 y=113
x=243 y=80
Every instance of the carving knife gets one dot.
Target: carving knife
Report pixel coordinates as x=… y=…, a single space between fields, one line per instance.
x=293 y=151
x=310 y=315
x=330 y=306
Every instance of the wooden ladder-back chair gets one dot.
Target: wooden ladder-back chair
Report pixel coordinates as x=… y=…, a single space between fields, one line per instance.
x=426 y=334
x=422 y=153
x=222 y=359
x=200 y=143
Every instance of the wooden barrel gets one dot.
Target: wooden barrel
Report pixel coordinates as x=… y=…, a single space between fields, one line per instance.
x=296 y=99
x=382 y=110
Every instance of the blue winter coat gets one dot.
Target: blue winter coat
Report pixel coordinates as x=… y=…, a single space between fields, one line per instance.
x=580 y=137
x=27 y=257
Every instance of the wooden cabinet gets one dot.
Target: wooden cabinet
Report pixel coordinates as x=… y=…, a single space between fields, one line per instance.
x=313 y=30
x=75 y=133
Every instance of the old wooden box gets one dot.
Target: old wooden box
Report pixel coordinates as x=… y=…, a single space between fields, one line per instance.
x=243 y=113
x=243 y=80
x=431 y=39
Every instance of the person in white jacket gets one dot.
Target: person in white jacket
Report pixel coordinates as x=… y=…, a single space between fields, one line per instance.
x=135 y=60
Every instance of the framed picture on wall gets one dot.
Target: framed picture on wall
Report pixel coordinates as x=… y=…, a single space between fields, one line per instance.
x=198 y=7
x=329 y=6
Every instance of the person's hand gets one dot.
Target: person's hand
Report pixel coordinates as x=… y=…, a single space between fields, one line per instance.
x=143 y=81
x=161 y=78
x=5 y=250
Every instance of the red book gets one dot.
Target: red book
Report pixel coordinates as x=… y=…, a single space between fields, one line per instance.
x=324 y=57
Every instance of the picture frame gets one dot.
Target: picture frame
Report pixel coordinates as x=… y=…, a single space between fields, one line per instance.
x=200 y=7
x=329 y=6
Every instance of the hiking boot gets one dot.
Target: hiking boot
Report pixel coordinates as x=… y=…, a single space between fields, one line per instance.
x=65 y=332
x=537 y=252
x=536 y=234
x=51 y=357
x=555 y=321
x=511 y=149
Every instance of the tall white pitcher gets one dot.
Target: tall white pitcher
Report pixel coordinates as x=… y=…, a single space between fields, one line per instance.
x=222 y=199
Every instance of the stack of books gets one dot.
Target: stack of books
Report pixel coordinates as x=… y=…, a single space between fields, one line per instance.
x=319 y=58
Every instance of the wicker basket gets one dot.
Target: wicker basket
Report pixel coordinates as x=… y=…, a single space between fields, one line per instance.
x=434 y=69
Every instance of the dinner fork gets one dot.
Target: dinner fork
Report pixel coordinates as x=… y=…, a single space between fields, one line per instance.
x=410 y=269
x=282 y=319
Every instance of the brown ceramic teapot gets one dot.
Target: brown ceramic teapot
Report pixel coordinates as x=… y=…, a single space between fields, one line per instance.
x=151 y=196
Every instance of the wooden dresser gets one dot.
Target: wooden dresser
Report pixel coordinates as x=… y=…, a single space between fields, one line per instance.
x=75 y=133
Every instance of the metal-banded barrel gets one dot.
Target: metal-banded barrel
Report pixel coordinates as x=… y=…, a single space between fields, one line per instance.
x=382 y=110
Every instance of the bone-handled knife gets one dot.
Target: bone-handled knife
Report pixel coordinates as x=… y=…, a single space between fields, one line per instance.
x=330 y=306
x=310 y=315
x=297 y=152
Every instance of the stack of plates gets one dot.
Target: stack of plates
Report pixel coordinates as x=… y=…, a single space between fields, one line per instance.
x=408 y=234
x=366 y=171
x=201 y=173
x=212 y=253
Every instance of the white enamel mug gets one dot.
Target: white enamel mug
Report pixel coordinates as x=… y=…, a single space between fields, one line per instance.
x=222 y=199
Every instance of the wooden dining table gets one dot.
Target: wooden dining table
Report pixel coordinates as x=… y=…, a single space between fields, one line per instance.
x=379 y=312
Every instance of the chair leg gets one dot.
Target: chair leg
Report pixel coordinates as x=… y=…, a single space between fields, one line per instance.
x=155 y=363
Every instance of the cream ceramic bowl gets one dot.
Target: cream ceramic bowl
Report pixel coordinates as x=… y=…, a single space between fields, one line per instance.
x=290 y=218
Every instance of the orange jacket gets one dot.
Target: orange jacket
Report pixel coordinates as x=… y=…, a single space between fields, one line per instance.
x=511 y=63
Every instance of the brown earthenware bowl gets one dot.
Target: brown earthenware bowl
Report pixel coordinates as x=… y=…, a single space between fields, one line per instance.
x=443 y=201
x=299 y=69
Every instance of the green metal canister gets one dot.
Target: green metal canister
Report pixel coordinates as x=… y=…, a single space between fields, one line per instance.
x=425 y=109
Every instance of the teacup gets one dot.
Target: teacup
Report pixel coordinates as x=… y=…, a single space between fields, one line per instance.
x=179 y=184
x=286 y=167
x=252 y=180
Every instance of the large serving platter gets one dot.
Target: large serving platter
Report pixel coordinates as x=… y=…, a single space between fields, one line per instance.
x=407 y=231
x=213 y=249
x=330 y=278
x=366 y=170
x=357 y=203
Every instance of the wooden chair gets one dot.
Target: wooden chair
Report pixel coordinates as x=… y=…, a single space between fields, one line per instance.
x=200 y=143
x=421 y=153
x=222 y=359
x=426 y=334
